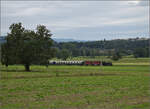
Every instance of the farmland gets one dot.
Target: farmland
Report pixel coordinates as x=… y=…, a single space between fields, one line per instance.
x=125 y=85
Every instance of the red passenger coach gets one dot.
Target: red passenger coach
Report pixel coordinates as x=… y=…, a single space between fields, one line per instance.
x=92 y=63
x=87 y=63
x=96 y=63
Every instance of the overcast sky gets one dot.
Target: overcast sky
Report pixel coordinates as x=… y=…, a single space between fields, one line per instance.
x=82 y=20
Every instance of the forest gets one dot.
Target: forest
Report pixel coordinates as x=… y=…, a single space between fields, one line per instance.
x=138 y=47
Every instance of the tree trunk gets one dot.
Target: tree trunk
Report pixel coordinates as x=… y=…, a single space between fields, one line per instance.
x=27 y=67
x=6 y=65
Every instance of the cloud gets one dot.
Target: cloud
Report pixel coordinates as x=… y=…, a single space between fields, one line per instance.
x=139 y=2
x=112 y=18
x=70 y=18
x=28 y=12
x=144 y=3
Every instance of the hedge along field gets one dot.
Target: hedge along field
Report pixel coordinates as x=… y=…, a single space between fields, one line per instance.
x=76 y=87
x=124 y=60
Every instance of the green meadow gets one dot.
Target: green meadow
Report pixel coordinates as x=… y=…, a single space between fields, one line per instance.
x=125 y=85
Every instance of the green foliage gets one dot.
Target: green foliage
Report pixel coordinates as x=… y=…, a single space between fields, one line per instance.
x=116 y=56
x=141 y=52
x=103 y=47
x=26 y=46
x=63 y=54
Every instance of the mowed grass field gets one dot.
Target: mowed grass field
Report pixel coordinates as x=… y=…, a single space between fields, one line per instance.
x=125 y=85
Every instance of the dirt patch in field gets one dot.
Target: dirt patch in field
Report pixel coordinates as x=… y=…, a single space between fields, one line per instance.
x=134 y=100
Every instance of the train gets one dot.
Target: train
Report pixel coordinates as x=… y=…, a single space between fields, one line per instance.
x=86 y=63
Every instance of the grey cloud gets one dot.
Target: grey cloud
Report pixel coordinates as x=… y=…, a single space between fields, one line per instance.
x=143 y=3
x=139 y=3
x=68 y=19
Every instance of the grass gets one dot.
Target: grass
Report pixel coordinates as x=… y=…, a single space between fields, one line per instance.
x=122 y=86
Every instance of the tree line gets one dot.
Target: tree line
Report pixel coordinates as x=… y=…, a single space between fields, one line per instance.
x=27 y=47
x=112 y=48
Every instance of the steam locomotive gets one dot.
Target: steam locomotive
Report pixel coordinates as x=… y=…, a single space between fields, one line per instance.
x=86 y=63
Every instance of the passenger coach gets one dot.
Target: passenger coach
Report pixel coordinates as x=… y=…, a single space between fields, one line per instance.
x=93 y=63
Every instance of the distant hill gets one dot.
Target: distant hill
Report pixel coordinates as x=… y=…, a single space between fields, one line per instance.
x=105 y=47
x=99 y=47
x=67 y=40
x=2 y=39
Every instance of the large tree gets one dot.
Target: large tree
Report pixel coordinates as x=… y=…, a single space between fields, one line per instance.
x=26 y=46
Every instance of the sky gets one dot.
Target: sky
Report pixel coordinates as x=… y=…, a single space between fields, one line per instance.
x=80 y=20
